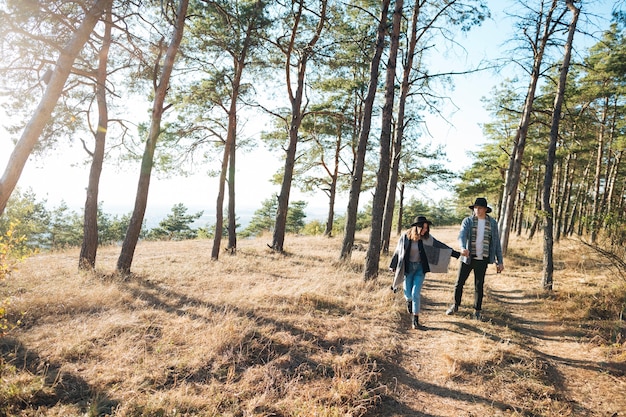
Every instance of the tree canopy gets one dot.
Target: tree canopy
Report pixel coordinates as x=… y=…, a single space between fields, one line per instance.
x=180 y=86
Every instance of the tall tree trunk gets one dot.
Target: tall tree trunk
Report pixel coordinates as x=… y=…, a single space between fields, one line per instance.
x=390 y=200
x=537 y=198
x=232 y=215
x=89 y=248
x=621 y=205
x=35 y=126
x=556 y=191
x=125 y=259
x=595 y=205
x=366 y=123
x=228 y=160
x=334 y=175
x=564 y=198
x=567 y=208
x=219 y=203
x=548 y=261
x=372 y=257
x=519 y=143
x=399 y=131
x=523 y=203
x=400 y=210
x=227 y=173
x=296 y=98
x=610 y=164
x=613 y=180
x=580 y=202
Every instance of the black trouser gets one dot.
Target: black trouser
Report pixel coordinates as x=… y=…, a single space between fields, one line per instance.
x=480 y=268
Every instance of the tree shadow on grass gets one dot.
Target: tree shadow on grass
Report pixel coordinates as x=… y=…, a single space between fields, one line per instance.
x=59 y=386
x=402 y=377
x=172 y=302
x=539 y=329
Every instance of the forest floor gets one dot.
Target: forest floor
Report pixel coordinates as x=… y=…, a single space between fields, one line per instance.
x=302 y=334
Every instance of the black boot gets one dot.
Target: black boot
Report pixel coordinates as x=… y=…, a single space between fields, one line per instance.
x=409 y=306
x=416 y=323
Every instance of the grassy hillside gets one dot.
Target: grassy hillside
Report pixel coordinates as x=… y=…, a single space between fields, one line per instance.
x=300 y=334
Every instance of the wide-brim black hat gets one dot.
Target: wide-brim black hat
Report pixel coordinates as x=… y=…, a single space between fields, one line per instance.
x=420 y=220
x=480 y=202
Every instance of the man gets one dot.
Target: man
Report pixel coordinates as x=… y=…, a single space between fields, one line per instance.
x=480 y=246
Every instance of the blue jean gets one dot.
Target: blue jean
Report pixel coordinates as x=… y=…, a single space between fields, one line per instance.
x=413 y=281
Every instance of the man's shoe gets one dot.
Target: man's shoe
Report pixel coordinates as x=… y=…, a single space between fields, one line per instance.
x=416 y=323
x=478 y=316
x=453 y=309
x=409 y=306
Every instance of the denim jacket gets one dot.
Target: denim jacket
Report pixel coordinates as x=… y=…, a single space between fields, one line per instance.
x=465 y=239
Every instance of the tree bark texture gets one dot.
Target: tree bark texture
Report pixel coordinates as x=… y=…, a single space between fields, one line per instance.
x=366 y=123
x=334 y=175
x=519 y=143
x=296 y=99
x=399 y=131
x=548 y=261
x=129 y=245
x=230 y=146
x=372 y=257
x=89 y=248
x=598 y=174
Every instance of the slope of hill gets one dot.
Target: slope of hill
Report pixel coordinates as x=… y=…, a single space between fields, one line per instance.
x=301 y=334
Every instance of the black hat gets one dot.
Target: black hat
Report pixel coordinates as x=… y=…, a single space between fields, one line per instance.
x=420 y=220
x=481 y=202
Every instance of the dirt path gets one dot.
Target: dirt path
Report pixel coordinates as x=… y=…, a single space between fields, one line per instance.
x=515 y=362
x=581 y=371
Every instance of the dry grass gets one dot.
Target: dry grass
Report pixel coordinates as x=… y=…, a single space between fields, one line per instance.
x=301 y=334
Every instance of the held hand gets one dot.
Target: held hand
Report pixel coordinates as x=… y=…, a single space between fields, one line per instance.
x=465 y=252
x=499 y=268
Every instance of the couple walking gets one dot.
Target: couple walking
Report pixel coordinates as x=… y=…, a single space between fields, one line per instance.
x=418 y=252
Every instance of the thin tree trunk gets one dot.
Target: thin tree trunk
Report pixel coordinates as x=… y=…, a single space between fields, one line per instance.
x=556 y=192
x=219 y=203
x=400 y=210
x=334 y=175
x=537 y=197
x=228 y=156
x=366 y=123
x=232 y=215
x=125 y=259
x=38 y=121
x=89 y=248
x=399 y=131
x=372 y=257
x=613 y=180
x=611 y=163
x=390 y=200
x=548 y=261
x=580 y=202
x=297 y=113
x=564 y=199
x=522 y=205
x=595 y=207
x=230 y=146
x=519 y=143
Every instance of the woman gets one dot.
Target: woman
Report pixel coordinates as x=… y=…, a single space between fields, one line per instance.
x=416 y=254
